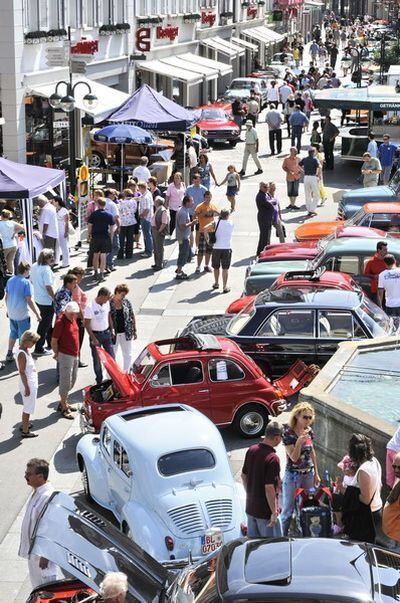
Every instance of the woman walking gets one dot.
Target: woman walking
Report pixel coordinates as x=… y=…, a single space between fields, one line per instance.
x=28 y=380
x=62 y=246
x=206 y=171
x=174 y=195
x=124 y=324
x=232 y=180
x=301 y=461
x=8 y=230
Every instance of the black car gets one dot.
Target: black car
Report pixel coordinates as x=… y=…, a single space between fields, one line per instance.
x=300 y=322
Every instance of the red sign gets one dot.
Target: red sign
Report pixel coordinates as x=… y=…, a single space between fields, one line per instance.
x=143 y=39
x=85 y=47
x=167 y=32
x=252 y=12
x=208 y=18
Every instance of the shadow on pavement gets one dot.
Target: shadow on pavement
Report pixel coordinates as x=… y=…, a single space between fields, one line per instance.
x=244 y=261
x=64 y=459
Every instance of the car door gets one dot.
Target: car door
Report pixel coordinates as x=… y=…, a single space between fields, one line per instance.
x=105 y=452
x=286 y=335
x=180 y=381
x=229 y=383
x=334 y=326
x=119 y=477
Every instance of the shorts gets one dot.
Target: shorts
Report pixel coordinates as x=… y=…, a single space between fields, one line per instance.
x=204 y=248
x=67 y=366
x=293 y=188
x=221 y=258
x=100 y=245
x=29 y=402
x=18 y=327
x=231 y=191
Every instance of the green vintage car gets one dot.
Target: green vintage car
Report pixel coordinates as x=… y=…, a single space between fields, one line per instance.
x=347 y=255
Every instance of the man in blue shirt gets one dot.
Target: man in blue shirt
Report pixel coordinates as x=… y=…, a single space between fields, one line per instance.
x=196 y=191
x=18 y=298
x=298 y=120
x=386 y=155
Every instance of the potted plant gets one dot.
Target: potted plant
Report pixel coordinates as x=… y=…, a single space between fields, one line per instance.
x=107 y=30
x=122 y=28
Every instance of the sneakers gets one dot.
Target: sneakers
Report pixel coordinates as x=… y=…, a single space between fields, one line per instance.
x=197 y=271
x=207 y=269
x=258 y=172
x=9 y=357
x=242 y=173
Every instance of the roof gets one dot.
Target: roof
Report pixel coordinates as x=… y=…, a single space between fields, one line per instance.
x=359 y=245
x=318 y=298
x=382 y=208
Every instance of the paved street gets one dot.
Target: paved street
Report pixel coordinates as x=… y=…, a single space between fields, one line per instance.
x=163 y=305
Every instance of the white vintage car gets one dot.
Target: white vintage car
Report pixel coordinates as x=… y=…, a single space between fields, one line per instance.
x=163 y=471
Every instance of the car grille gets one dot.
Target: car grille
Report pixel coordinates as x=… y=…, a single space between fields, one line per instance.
x=219 y=133
x=219 y=512
x=188 y=519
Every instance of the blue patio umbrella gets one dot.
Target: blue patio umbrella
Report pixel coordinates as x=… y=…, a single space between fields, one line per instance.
x=123 y=134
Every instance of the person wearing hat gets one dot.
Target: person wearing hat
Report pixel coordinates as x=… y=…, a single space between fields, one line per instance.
x=250 y=148
x=65 y=346
x=261 y=480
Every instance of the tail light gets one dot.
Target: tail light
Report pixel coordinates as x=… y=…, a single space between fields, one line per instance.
x=169 y=543
x=279 y=393
x=243 y=529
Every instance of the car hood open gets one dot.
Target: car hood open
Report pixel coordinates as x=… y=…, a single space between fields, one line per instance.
x=124 y=382
x=78 y=541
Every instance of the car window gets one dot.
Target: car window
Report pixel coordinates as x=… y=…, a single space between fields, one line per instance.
x=347 y=263
x=162 y=377
x=183 y=373
x=106 y=440
x=337 y=324
x=120 y=458
x=290 y=323
x=220 y=369
x=365 y=221
x=184 y=461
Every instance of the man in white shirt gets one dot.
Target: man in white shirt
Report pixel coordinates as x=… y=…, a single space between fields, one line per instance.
x=142 y=172
x=48 y=223
x=284 y=92
x=100 y=328
x=146 y=210
x=273 y=93
x=222 y=249
x=372 y=146
x=389 y=284
x=41 y=570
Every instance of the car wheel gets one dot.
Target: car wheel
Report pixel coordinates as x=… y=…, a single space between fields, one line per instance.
x=96 y=160
x=251 y=420
x=85 y=484
x=233 y=143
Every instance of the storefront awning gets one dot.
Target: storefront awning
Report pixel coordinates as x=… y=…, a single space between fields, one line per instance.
x=244 y=43
x=223 y=46
x=108 y=98
x=263 y=34
x=177 y=73
x=196 y=60
x=190 y=63
x=314 y=3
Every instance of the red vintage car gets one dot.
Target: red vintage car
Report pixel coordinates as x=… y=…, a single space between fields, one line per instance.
x=319 y=280
x=210 y=373
x=217 y=125
x=62 y=591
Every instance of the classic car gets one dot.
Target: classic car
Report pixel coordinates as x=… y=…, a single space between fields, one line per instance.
x=276 y=570
x=164 y=473
x=351 y=201
x=383 y=216
x=342 y=255
x=280 y=326
x=210 y=374
x=283 y=58
x=217 y=126
x=319 y=279
x=240 y=88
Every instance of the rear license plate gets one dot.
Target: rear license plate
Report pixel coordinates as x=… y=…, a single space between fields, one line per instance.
x=219 y=140
x=211 y=541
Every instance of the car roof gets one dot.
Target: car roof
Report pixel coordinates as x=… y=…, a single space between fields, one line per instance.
x=193 y=346
x=318 y=278
x=382 y=208
x=340 y=570
x=360 y=245
x=318 y=298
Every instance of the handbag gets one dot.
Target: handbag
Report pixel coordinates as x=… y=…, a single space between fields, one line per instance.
x=212 y=238
x=357 y=517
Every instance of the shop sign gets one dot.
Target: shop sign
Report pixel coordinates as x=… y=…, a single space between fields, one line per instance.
x=143 y=39
x=56 y=56
x=168 y=32
x=252 y=12
x=208 y=18
x=86 y=47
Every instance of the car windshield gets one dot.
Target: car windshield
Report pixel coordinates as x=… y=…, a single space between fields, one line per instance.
x=395 y=182
x=196 y=583
x=356 y=219
x=143 y=364
x=213 y=114
x=376 y=320
x=240 y=85
x=185 y=461
x=237 y=323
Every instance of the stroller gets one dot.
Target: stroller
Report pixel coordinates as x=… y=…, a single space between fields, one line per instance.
x=313 y=512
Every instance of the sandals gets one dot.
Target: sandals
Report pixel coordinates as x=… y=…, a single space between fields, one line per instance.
x=28 y=434
x=215 y=286
x=70 y=408
x=226 y=290
x=30 y=427
x=67 y=414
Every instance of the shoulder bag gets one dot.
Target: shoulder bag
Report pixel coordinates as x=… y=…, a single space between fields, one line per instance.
x=212 y=238
x=358 y=521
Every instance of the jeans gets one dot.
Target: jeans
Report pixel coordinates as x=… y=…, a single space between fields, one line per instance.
x=184 y=253
x=148 y=239
x=114 y=250
x=105 y=341
x=259 y=528
x=126 y=236
x=158 y=242
x=292 y=481
x=44 y=328
x=297 y=132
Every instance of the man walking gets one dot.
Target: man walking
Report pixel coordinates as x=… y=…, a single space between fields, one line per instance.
x=65 y=346
x=159 y=228
x=36 y=475
x=297 y=121
x=253 y=109
x=261 y=479
x=329 y=133
x=183 y=229
x=386 y=155
x=250 y=148
x=389 y=284
x=291 y=165
x=274 y=120
x=312 y=175
x=265 y=217
x=375 y=266
x=100 y=234
x=146 y=204
x=370 y=169
x=99 y=326
x=48 y=223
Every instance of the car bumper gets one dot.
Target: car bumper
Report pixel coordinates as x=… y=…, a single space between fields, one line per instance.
x=84 y=423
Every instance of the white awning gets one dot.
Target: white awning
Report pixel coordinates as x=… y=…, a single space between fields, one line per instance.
x=196 y=60
x=191 y=64
x=108 y=98
x=263 y=34
x=220 y=45
x=314 y=3
x=177 y=73
x=244 y=43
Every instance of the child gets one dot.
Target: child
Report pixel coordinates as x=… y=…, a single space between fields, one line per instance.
x=232 y=180
x=349 y=470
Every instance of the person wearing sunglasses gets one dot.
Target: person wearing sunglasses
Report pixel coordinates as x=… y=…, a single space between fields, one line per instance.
x=301 y=462
x=391 y=511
